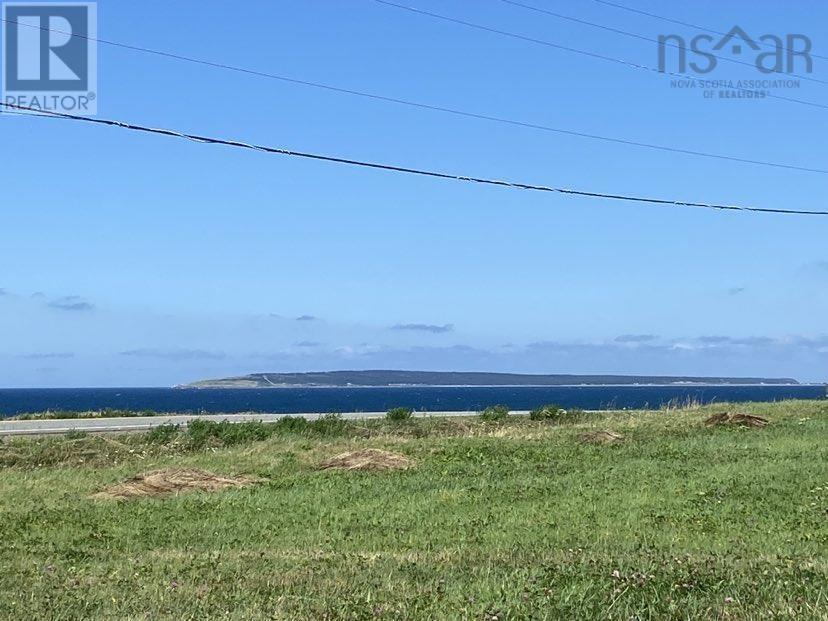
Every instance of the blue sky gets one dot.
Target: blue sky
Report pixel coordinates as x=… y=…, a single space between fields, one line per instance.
x=131 y=259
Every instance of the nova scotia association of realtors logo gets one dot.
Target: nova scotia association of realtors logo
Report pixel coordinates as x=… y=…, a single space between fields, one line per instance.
x=50 y=56
x=773 y=61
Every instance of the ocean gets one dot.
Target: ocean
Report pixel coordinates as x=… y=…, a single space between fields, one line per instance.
x=365 y=399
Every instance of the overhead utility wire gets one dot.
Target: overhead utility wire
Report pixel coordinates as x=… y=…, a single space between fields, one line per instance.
x=613 y=59
x=645 y=38
x=689 y=25
x=435 y=108
x=403 y=169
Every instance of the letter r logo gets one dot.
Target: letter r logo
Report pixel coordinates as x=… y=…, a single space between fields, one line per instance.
x=46 y=47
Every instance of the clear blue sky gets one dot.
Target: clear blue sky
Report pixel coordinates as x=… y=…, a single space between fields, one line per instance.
x=131 y=259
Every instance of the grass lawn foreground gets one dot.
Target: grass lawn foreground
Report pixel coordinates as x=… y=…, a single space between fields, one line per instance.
x=507 y=518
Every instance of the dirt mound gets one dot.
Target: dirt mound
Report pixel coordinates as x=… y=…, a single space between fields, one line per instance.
x=736 y=419
x=601 y=437
x=366 y=459
x=160 y=483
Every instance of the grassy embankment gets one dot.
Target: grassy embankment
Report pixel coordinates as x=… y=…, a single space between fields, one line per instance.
x=505 y=519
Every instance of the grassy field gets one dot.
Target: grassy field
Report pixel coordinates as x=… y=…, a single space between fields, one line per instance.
x=512 y=519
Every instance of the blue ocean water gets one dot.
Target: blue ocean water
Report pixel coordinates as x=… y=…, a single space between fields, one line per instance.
x=362 y=399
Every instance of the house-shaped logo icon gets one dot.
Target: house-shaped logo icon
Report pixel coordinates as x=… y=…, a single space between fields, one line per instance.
x=732 y=39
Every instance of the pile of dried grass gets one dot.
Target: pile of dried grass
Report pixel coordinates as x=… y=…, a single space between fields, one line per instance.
x=367 y=459
x=736 y=419
x=159 y=483
x=601 y=437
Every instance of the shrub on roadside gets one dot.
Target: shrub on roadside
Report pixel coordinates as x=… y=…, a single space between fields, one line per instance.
x=202 y=433
x=495 y=413
x=399 y=414
x=291 y=424
x=556 y=414
x=328 y=425
x=163 y=434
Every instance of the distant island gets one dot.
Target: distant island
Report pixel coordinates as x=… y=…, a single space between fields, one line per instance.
x=455 y=378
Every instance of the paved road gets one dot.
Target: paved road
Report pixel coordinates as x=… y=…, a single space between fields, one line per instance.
x=144 y=423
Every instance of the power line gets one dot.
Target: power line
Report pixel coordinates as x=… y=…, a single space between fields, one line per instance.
x=402 y=169
x=689 y=25
x=520 y=37
x=435 y=108
x=514 y=35
x=644 y=38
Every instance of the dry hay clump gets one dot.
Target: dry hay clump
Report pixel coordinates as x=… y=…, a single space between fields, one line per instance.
x=367 y=459
x=601 y=437
x=172 y=481
x=736 y=419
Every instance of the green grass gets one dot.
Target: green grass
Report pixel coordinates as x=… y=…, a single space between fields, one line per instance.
x=69 y=414
x=511 y=519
